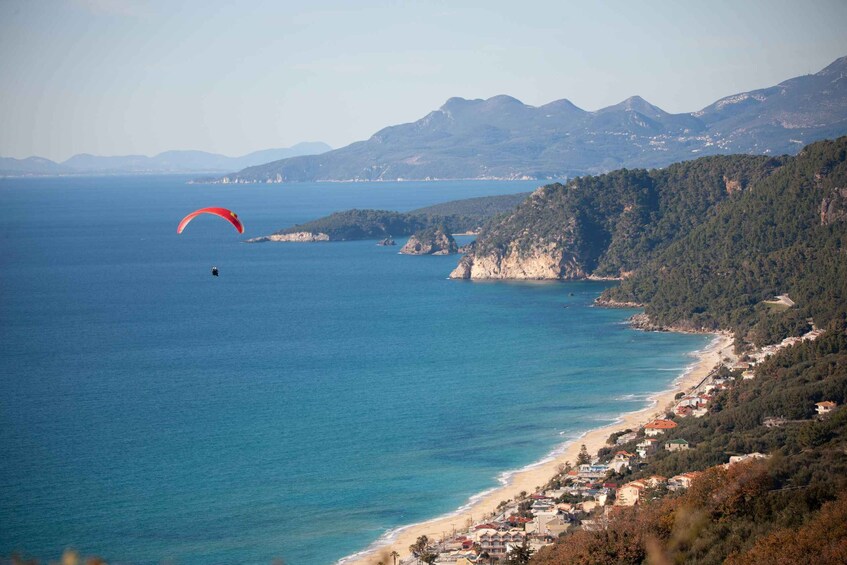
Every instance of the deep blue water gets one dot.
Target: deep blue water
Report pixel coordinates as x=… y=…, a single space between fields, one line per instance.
x=298 y=406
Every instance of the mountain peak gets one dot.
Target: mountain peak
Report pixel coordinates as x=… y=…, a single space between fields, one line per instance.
x=635 y=104
x=503 y=100
x=836 y=67
x=562 y=103
x=638 y=104
x=499 y=101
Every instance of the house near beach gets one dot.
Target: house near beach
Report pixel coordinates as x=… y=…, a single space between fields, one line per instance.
x=657 y=427
x=542 y=506
x=689 y=400
x=542 y=523
x=676 y=445
x=498 y=543
x=629 y=494
x=682 y=481
x=557 y=527
x=593 y=471
x=646 y=447
x=621 y=461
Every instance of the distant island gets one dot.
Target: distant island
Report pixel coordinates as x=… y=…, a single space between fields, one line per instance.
x=503 y=138
x=458 y=216
x=169 y=162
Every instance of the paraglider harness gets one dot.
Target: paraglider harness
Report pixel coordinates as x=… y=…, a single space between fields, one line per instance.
x=214 y=271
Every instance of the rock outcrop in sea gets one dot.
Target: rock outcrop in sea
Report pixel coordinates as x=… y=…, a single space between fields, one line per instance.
x=433 y=241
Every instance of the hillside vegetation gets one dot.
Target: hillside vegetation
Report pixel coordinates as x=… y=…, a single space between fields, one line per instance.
x=454 y=217
x=614 y=223
x=786 y=234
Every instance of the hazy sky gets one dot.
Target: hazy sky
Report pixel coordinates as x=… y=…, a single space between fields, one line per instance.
x=114 y=77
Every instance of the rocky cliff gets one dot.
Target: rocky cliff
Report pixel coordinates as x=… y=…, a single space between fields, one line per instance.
x=543 y=261
x=834 y=207
x=430 y=242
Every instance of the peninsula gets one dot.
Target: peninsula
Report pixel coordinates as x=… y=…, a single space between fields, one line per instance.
x=459 y=216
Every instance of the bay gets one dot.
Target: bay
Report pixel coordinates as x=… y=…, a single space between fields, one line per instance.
x=308 y=400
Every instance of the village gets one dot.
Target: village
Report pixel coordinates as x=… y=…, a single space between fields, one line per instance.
x=583 y=495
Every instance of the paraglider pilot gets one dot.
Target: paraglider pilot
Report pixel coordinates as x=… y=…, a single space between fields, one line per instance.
x=227 y=215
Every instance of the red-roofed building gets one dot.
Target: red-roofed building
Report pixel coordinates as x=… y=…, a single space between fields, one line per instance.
x=657 y=427
x=683 y=411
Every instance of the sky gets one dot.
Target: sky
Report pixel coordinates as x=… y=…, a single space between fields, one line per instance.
x=118 y=77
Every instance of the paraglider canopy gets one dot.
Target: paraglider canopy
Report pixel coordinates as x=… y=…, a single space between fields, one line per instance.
x=227 y=215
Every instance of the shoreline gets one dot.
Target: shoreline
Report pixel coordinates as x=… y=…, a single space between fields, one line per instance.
x=540 y=472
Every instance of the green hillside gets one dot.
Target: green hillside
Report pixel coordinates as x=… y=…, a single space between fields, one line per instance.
x=785 y=235
x=456 y=217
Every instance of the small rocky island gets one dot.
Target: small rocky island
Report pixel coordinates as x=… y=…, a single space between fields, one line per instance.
x=431 y=241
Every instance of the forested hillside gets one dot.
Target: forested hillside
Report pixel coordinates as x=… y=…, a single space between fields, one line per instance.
x=611 y=224
x=455 y=217
x=785 y=235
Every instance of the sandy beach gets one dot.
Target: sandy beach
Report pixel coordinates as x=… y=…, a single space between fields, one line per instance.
x=538 y=475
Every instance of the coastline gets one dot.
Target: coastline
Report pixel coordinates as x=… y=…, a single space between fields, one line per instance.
x=539 y=473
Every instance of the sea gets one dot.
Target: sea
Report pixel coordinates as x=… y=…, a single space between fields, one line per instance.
x=305 y=403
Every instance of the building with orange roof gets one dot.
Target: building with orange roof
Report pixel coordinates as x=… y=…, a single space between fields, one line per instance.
x=657 y=427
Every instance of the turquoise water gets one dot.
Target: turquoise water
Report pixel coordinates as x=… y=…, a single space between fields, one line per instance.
x=308 y=400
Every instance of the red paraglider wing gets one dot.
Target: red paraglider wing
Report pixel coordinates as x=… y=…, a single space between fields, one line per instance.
x=227 y=215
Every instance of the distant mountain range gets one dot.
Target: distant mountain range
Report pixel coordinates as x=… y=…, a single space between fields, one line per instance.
x=167 y=162
x=504 y=138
